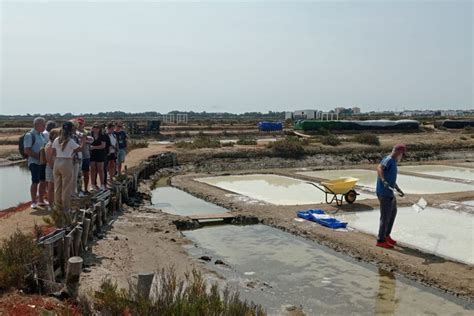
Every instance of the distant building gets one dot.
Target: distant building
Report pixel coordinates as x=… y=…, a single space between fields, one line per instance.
x=302 y=115
x=339 y=110
x=355 y=110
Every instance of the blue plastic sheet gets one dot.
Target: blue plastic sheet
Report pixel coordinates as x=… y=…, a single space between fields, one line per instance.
x=327 y=221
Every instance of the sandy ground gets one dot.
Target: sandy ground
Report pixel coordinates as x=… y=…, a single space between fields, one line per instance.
x=23 y=220
x=140 y=240
x=7 y=150
x=431 y=270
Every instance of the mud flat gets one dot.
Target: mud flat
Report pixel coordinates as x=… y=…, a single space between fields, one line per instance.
x=275 y=268
x=273 y=189
x=409 y=184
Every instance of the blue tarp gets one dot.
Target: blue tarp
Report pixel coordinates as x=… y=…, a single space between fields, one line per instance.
x=320 y=217
x=270 y=126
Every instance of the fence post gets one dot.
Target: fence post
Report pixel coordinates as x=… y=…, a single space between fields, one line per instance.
x=86 y=224
x=145 y=280
x=73 y=273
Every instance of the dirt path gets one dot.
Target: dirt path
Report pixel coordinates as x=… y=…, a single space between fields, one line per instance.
x=136 y=156
x=139 y=240
x=431 y=270
x=24 y=221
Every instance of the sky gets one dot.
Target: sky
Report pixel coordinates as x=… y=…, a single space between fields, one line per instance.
x=227 y=56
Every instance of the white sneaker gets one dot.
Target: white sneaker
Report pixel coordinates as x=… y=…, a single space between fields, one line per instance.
x=34 y=205
x=43 y=203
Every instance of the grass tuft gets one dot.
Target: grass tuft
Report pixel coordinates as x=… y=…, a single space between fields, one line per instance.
x=199 y=142
x=290 y=147
x=367 y=138
x=174 y=296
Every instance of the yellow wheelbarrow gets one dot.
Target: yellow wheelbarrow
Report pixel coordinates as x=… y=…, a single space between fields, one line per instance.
x=343 y=187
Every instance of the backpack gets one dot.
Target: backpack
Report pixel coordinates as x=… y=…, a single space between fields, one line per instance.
x=21 y=145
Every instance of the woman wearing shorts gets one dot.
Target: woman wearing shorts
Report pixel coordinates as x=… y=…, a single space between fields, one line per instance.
x=98 y=153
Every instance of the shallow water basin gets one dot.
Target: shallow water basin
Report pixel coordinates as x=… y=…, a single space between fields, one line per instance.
x=409 y=184
x=442 y=232
x=272 y=189
x=15 y=184
x=174 y=201
x=274 y=268
x=442 y=171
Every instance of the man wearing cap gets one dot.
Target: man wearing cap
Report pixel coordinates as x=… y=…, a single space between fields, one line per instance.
x=386 y=184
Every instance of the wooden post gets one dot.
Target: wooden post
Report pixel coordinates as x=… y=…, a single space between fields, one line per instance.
x=77 y=240
x=95 y=227
x=103 y=211
x=73 y=273
x=49 y=256
x=145 y=280
x=86 y=224
x=99 y=217
x=60 y=248
x=67 y=249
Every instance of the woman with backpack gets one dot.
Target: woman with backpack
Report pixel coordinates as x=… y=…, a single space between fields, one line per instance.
x=64 y=149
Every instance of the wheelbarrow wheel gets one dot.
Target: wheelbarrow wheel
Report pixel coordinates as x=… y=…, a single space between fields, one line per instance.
x=350 y=196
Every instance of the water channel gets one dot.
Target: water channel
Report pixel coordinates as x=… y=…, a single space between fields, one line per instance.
x=15 y=181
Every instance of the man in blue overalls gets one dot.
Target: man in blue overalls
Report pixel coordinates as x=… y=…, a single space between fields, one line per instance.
x=386 y=184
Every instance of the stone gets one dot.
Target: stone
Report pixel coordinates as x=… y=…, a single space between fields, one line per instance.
x=205 y=258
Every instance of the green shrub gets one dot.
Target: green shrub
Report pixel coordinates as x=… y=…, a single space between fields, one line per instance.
x=369 y=139
x=136 y=143
x=290 y=147
x=227 y=144
x=173 y=296
x=18 y=253
x=199 y=142
x=330 y=140
x=247 y=141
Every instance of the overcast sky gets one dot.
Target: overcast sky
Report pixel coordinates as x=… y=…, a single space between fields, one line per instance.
x=235 y=56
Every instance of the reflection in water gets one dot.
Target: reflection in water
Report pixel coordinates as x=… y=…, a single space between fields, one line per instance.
x=14 y=185
x=284 y=269
x=386 y=303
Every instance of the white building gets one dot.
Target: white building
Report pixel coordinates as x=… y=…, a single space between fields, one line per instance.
x=355 y=110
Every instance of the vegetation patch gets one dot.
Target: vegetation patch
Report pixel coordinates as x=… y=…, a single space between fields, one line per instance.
x=18 y=254
x=367 y=138
x=331 y=140
x=290 y=147
x=137 y=143
x=199 y=142
x=173 y=296
x=248 y=141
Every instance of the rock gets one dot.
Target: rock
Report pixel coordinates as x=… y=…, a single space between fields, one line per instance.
x=205 y=258
x=252 y=284
x=116 y=238
x=167 y=232
x=173 y=240
x=219 y=262
x=86 y=270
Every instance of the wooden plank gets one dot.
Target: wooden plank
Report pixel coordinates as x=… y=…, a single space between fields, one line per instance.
x=211 y=216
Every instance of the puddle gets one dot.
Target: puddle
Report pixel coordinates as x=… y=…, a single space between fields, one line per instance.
x=274 y=268
x=409 y=184
x=442 y=232
x=15 y=184
x=177 y=202
x=442 y=171
x=272 y=189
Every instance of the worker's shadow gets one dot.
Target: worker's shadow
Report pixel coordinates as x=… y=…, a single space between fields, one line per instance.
x=41 y=212
x=354 y=208
x=428 y=258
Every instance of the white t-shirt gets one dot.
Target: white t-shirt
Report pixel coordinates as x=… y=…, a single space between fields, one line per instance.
x=113 y=143
x=68 y=150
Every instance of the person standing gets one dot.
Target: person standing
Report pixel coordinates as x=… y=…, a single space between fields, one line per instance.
x=122 y=140
x=64 y=148
x=386 y=184
x=77 y=159
x=112 y=145
x=86 y=154
x=49 y=126
x=98 y=153
x=53 y=134
x=33 y=142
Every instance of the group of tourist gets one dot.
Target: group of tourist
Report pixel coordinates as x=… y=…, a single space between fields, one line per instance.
x=70 y=161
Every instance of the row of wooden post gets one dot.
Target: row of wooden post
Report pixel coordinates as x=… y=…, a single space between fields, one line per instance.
x=64 y=247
